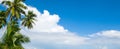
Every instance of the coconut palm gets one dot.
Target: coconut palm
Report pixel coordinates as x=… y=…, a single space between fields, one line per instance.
x=13 y=39
x=15 y=8
x=29 y=20
x=19 y=38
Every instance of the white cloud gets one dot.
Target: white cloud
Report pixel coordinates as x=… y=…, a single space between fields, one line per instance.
x=105 y=37
x=109 y=33
x=104 y=47
x=48 y=23
x=47 y=31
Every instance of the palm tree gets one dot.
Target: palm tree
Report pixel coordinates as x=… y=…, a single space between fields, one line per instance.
x=29 y=20
x=19 y=38
x=15 y=8
x=13 y=39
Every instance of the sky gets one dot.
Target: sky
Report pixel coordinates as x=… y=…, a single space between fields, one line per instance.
x=82 y=15
x=74 y=24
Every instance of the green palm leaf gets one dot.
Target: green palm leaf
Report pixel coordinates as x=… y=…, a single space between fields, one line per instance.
x=3 y=21
x=28 y=21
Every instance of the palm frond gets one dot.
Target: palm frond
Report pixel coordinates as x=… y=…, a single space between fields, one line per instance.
x=28 y=21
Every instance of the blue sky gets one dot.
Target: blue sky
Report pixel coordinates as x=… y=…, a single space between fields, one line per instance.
x=83 y=16
x=73 y=24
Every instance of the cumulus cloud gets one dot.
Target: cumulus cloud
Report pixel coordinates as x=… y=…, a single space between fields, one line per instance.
x=109 y=33
x=106 y=37
x=109 y=38
x=47 y=31
x=48 y=23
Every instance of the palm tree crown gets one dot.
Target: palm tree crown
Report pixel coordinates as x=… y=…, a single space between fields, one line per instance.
x=15 y=8
x=29 y=20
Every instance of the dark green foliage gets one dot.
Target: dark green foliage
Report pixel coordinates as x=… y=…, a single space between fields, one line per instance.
x=11 y=18
x=29 y=20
